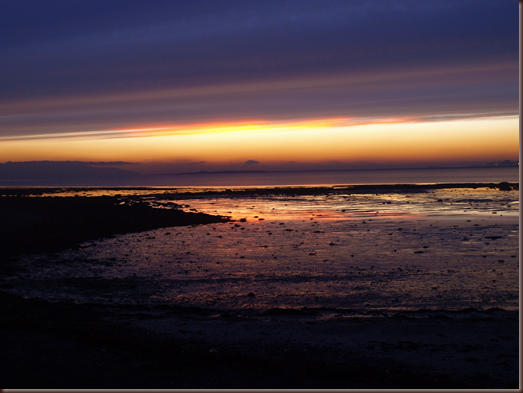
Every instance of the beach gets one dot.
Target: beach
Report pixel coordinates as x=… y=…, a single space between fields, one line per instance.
x=260 y=195
x=410 y=286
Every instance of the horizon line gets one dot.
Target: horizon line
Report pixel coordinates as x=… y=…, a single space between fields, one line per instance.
x=333 y=170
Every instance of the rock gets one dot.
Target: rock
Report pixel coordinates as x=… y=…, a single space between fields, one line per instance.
x=504 y=186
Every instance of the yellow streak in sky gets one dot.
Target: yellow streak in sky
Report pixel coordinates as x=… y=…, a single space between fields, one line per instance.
x=241 y=127
x=340 y=139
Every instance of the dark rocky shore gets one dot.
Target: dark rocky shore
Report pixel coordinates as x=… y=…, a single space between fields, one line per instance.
x=38 y=224
x=58 y=345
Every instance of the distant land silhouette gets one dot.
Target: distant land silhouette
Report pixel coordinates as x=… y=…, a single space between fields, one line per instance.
x=34 y=170
x=52 y=170
x=506 y=163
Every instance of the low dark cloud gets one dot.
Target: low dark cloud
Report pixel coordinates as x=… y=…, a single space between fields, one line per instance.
x=38 y=170
x=95 y=65
x=251 y=162
x=104 y=163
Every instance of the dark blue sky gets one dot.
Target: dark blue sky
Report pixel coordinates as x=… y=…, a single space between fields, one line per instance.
x=71 y=66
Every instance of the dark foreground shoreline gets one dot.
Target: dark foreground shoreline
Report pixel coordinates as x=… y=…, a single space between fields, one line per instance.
x=72 y=346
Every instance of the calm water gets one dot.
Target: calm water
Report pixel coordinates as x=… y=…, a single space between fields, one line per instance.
x=395 y=176
x=442 y=249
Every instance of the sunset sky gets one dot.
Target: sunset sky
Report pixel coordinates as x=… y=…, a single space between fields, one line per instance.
x=179 y=86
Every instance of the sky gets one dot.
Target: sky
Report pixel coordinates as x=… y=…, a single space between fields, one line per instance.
x=181 y=86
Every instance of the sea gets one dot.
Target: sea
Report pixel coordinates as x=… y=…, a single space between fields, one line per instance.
x=376 y=251
x=267 y=179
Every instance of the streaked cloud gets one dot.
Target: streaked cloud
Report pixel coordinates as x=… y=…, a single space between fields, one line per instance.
x=110 y=71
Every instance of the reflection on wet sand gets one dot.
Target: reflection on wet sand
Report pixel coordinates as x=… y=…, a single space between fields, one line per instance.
x=365 y=252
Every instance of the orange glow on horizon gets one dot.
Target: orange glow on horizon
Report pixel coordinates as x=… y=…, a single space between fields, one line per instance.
x=318 y=140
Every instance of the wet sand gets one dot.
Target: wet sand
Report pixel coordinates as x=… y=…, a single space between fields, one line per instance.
x=218 y=346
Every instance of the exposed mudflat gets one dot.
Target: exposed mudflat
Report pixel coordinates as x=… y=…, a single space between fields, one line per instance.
x=419 y=280
x=447 y=249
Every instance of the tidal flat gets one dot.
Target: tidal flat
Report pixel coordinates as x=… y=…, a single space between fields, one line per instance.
x=414 y=286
